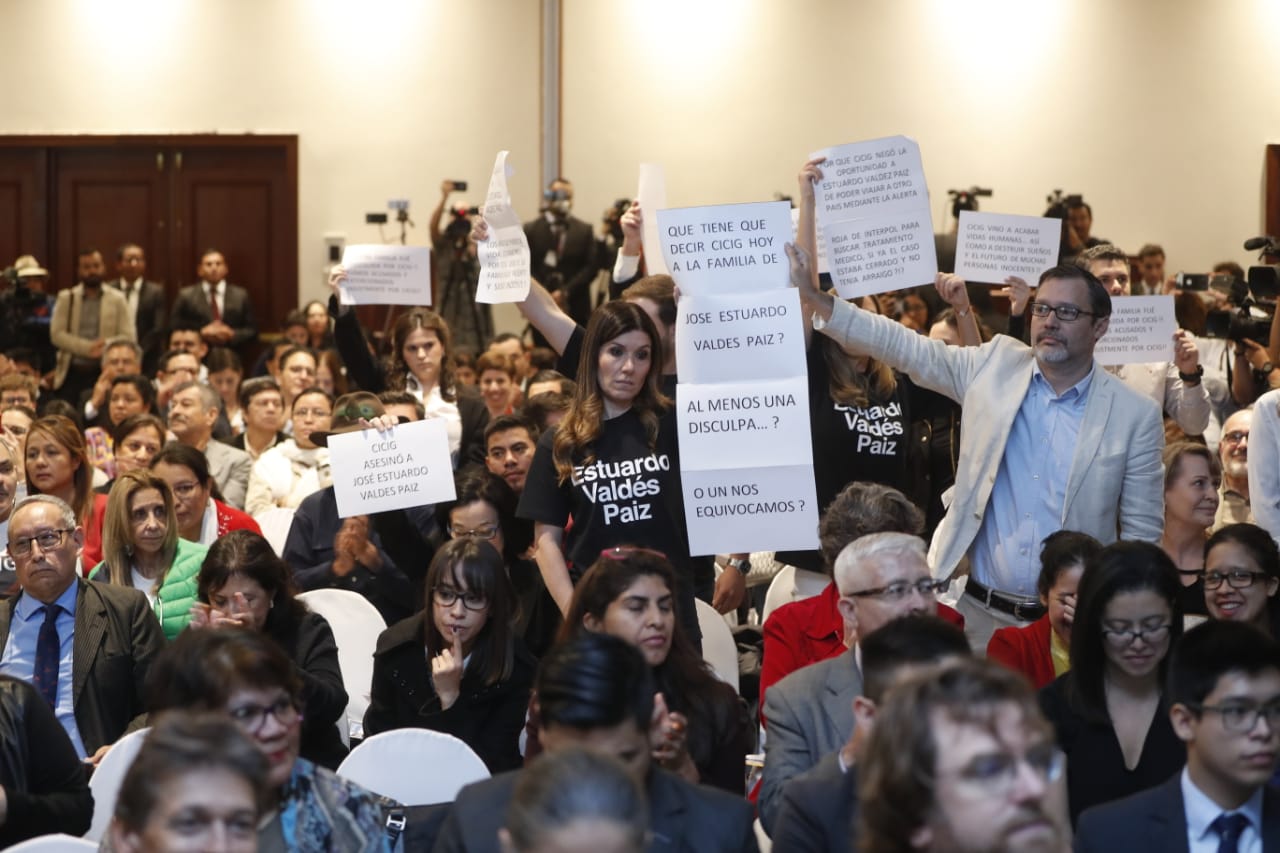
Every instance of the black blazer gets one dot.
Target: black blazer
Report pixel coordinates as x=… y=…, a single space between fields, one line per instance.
x=682 y=817
x=117 y=636
x=576 y=265
x=191 y=308
x=1155 y=820
x=817 y=810
x=151 y=322
x=488 y=718
x=314 y=652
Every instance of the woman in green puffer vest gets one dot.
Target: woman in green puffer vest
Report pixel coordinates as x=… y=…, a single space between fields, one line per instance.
x=141 y=548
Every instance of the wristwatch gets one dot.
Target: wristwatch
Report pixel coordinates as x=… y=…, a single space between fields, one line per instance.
x=738 y=563
x=1192 y=378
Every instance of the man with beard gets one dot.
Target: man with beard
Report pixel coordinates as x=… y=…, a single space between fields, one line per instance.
x=85 y=317
x=1048 y=441
x=1233 y=450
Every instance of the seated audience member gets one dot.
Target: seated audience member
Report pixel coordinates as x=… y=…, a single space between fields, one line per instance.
x=1224 y=679
x=120 y=357
x=961 y=761
x=576 y=800
x=243 y=674
x=1241 y=576
x=57 y=465
x=197 y=783
x=297 y=466
x=85 y=646
x=193 y=410
x=243 y=584
x=630 y=593
x=1234 y=505
x=403 y=405
x=319 y=326
x=17 y=389
x=546 y=410
x=264 y=416
x=176 y=367
x=201 y=517
x=136 y=441
x=380 y=556
x=1042 y=650
x=8 y=497
x=474 y=679
x=509 y=442
x=819 y=805
x=15 y=423
x=1109 y=712
x=509 y=346
x=464 y=367
x=141 y=549
x=498 y=384
x=186 y=338
x=597 y=692
x=881 y=577
x=268 y=364
x=812 y=629
x=485 y=508
x=297 y=373
x=550 y=381
x=45 y=789
x=130 y=394
x=1191 y=479
x=331 y=375
x=225 y=375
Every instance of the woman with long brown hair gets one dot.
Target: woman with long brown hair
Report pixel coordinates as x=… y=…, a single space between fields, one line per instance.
x=57 y=463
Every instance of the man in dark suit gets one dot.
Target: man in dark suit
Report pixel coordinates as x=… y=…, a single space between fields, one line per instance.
x=85 y=646
x=221 y=311
x=146 y=302
x=562 y=253
x=596 y=692
x=818 y=805
x=1224 y=703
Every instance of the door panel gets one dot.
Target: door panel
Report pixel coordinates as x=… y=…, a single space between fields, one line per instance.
x=23 y=205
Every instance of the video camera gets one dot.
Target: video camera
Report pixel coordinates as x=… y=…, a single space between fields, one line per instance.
x=1255 y=298
x=966 y=199
x=460 y=221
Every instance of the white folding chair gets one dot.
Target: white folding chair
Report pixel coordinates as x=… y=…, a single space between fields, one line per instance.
x=58 y=843
x=415 y=767
x=105 y=782
x=275 y=524
x=356 y=625
x=718 y=647
x=792 y=584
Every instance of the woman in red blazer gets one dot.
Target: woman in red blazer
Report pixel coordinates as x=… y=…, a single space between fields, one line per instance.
x=1041 y=650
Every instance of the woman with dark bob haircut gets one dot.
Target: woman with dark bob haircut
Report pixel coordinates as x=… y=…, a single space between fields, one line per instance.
x=1109 y=712
x=243 y=584
x=630 y=594
x=457 y=666
x=1241 y=576
x=242 y=674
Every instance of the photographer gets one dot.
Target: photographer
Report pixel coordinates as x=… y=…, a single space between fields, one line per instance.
x=26 y=311
x=457 y=272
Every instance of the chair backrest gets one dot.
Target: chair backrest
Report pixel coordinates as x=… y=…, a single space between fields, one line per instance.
x=356 y=625
x=105 y=782
x=275 y=524
x=59 y=843
x=415 y=767
x=780 y=591
x=718 y=646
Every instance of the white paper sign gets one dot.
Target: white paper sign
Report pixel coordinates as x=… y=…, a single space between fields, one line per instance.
x=1141 y=331
x=727 y=248
x=822 y=243
x=404 y=467
x=652 y=195
x=726 y=338
x=504 y=257
x=993 y=246
x=758 y=509
x=871 y=177
x=386 y=275
x=742 y=424
x=881 y=253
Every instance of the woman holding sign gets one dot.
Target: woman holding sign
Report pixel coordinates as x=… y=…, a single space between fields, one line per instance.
x=613 y=465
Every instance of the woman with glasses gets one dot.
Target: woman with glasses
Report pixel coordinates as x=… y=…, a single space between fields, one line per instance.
x=243 y=584
x=226 y=372
x=297 y=373
x=243 y=674
x=201 y=516
x=1108 y=712
x=1191 y=478
x=458 y=667
x=485 y=508
x=1241 y=576
x=1042 y=650
x=142 y=549
x=297 y=466
x=704 y=732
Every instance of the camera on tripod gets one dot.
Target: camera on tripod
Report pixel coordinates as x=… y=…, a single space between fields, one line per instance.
x=1254 y=298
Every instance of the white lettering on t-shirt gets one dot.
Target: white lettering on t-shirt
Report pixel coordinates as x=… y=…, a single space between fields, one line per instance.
x=619 y=487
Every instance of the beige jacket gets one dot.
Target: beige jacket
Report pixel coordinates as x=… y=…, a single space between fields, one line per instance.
x=64 y=327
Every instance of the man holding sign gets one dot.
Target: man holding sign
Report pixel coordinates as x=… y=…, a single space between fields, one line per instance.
x=1048 y=441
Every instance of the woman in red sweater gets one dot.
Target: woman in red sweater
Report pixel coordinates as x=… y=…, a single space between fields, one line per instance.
x=1041 y=650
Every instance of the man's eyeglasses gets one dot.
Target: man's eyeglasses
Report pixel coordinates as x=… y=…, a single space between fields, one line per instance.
x=901 y=589
x=1066 y=313
x=251 y=718
x=1236 y=578
x=1240 y=718
x=447 y=596
x=1235 y=436
x=997 y=773
x=47 y=541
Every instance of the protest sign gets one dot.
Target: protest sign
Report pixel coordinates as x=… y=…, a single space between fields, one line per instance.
x=1141 y=331
x=405 y=466
x=386 y=275
x=727 y=248
x=993 y=246
x=725 y=338
x=504 y=257
x=743 y=424
x=870 y=178
x=751 y=509
x=887 y=252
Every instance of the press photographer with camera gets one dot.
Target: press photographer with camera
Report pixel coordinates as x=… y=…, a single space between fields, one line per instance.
x=26 y=311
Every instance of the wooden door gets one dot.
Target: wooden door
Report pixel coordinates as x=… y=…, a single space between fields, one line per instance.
x=23 y=204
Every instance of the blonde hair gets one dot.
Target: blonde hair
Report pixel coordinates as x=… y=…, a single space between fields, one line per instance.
x=117 y=526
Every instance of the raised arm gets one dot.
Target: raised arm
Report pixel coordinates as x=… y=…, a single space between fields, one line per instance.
x=955 y=292
x=807 y=235
x=539 y=307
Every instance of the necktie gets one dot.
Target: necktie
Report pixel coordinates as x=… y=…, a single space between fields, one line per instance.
x=213 y=303
x=1229 y=828
x=48 y=653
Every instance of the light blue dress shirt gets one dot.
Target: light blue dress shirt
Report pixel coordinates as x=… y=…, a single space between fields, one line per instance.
x=19 y=659
x=1030 y=491
x=1202 y=811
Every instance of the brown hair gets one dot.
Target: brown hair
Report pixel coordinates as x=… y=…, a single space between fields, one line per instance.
x=63 y=431
x=330 y=359
x=117 y=527
x=1173 y=456
x=398 y=371
x=494 y=361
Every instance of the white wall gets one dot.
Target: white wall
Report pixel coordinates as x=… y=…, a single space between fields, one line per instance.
x=1158 y=111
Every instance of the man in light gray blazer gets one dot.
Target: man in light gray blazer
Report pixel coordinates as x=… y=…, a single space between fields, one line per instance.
x=193 y=410
x=1048 y=441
